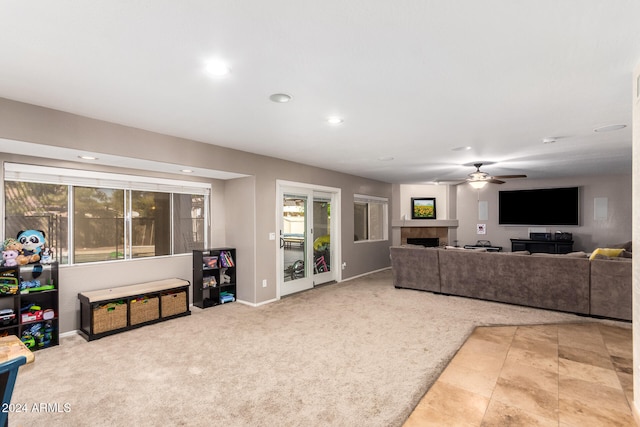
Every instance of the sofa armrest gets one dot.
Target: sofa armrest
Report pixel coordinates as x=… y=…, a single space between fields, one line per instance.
x=611 y=288
x=415 y=268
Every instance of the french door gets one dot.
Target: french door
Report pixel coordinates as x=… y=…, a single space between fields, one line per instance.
x=306 y=255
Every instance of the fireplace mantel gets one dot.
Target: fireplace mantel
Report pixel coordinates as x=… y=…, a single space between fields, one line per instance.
x=449 y=223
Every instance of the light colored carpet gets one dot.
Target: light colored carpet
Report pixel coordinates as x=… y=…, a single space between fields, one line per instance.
x=356 y=353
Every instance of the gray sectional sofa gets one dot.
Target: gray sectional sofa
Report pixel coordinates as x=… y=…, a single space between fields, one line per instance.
x=570 y=283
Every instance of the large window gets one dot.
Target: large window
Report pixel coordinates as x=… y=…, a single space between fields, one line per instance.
x=370 y=218
x=98 y=226
x=188 y=222
x=150 y=224
x=91 y=223
x=36 y=206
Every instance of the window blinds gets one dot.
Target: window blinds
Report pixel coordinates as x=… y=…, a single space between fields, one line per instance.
x=83 y=178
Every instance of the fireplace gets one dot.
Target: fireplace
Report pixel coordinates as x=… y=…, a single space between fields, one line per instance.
x=429 y=242
x=426 y=236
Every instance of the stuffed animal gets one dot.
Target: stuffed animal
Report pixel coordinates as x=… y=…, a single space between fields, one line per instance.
x=225 y=278
x=11 y=252
x=32 y=243
x=47 y=256
x=9 y=257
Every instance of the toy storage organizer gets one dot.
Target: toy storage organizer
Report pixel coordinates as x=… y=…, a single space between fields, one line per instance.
x=214 y=277
x=109 y=311
x=29 y=304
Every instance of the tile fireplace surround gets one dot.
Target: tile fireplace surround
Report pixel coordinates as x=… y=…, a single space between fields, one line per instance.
x=420 y=229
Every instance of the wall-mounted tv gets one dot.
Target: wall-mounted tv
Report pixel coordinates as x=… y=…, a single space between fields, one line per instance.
x=545 y=206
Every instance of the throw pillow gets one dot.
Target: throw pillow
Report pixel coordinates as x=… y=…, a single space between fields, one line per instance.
x=611 y=252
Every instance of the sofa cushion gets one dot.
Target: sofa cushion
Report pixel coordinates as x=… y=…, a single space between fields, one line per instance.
x=578 y=254
x=611 y=258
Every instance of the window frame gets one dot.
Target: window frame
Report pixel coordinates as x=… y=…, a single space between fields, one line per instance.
x=368 y=200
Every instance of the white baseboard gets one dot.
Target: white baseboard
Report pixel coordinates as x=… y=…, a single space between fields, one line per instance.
x=69 y=333
x=251 y=304
x=365 y=274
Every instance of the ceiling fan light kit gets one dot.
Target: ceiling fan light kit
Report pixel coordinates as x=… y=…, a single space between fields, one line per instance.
x=478 y=184
x=479 y=179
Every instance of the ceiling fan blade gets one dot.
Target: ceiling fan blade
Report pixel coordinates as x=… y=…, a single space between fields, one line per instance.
x=495 y=181
x=509 y=176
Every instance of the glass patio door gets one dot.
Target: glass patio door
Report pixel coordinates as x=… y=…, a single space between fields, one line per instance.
x=295 y=234
x=307 y=254
x=322 y=270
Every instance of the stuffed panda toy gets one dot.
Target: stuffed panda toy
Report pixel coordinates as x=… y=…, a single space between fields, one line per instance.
x=33 y=241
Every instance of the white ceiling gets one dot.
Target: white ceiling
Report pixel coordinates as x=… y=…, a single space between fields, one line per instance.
x=413 y=79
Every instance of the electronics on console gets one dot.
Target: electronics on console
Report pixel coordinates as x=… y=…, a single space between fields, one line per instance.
x=558 y=235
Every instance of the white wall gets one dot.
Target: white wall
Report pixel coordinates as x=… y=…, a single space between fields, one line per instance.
x=440 y=192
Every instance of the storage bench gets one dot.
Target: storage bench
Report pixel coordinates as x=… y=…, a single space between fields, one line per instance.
x=109 y=311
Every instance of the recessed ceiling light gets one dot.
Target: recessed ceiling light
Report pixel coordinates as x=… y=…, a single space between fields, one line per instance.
x=609 y=128
x=334 y=120
x=549 y=140
x=186 y=170
x=280 y=97
x=385 y=158
x=465 y=148
x=217 y=68
x=88 y=157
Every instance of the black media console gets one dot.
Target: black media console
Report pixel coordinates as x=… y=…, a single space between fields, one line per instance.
x=542 y=246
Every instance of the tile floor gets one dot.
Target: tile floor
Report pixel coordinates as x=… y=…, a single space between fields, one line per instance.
x=560 y=375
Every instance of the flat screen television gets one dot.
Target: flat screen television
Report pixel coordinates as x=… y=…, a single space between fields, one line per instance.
x=545 y=206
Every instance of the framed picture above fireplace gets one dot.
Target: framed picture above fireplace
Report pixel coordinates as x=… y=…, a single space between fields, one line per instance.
x=423 y=208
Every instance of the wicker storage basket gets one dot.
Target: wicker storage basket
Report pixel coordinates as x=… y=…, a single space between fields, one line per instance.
x=109 y=317
x=144 y=310
x=174 y=303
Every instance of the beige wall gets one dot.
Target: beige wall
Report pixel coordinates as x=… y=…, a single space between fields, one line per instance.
x=239 y=201
x=636 y=240
x=243 y=210
x=462 y=204
x=588 y=236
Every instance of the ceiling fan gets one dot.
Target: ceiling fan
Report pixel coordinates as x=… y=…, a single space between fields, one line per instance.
x=479 y=179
